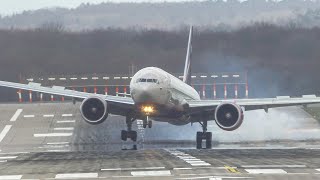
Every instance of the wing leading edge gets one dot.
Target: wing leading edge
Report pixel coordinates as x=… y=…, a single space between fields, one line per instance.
x=124 y=103
x=259 y=103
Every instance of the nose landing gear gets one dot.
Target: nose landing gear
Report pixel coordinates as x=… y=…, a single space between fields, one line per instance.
x=204 y=135
x=147 y=122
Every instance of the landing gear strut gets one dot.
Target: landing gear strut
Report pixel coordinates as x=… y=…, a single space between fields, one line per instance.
x=147 y=122
x=129 y=133
x=204 y=135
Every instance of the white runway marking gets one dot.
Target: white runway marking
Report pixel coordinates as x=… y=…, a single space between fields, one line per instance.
x=8 y=153
x=29 y=116
x=3 y=161
x=67 y=121
x=274 y=166
x=57 y=143
x=182 y=168
x=201 y=164
x=67 y=115
x=266 y=171
x=54 y=146
x=8 y=157
x=53 y=135
x=48 y=115
x=64 y=129
x=128 y=169
x=4 y=132
x=196 y=162
x=11 y=177
x=188 y=158
x=58 y=150
x=16 y=115
x=76 y=175
x=151 y=173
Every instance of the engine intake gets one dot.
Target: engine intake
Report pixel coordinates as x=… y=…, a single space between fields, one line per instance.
x=229 y=116
x=94 y=110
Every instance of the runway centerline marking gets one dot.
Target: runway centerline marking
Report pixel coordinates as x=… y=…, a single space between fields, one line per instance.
x=4 y=132
x=7 y=177
x=66 y=121
x=131 y=169
x=10 y=153
x=54 y=146
x=64 y=129
x=151 y=173
x=201 y=177
x=29 y=116
x=67 y=115
x=57 y=143
x=275 y=166
x=76 y=175
x=8 y=157
x=188 y=168
x=53 y=135
x=266 y=171
x=48 y=115
x=16 y=115
x=58 y=150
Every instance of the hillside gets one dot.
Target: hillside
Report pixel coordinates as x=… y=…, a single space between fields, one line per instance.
x=219 y=14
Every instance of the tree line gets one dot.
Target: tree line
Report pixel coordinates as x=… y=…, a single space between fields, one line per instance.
x=280 y=60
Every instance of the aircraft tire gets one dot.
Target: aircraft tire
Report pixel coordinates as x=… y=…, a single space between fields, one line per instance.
x=144 y=124
x=150 y=124
x=124 y=135
x=208 y=140
x=199 y=140
x=133 y=135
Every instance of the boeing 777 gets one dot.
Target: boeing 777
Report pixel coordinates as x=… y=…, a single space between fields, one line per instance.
x=157 y=95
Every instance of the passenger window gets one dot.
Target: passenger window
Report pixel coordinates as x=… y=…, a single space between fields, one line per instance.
x=149 y=80
x=143 y=80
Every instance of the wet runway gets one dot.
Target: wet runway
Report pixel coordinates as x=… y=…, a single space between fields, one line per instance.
x=51 y=141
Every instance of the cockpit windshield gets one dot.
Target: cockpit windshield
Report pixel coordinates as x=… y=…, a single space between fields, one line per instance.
x=147 y=80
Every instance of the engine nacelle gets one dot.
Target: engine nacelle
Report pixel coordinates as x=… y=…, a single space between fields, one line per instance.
x=229 y=116
x=94 y=110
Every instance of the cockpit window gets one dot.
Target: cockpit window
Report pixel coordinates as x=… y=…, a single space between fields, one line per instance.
x=147 y=80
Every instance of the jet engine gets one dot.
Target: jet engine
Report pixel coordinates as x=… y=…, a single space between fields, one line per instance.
x=94 y=110
x=229 y=116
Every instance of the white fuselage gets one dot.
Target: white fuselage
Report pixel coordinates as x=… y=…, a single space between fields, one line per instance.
x=155 y=86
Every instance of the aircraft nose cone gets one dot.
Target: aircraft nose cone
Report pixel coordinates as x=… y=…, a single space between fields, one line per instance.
x=142 y=94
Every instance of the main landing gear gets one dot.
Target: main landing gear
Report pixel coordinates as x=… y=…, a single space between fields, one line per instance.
x=129 y=133
x=204 y=135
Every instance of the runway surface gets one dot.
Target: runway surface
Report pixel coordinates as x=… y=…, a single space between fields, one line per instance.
x=51 y=141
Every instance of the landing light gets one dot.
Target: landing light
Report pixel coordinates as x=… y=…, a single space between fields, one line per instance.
x=147 y=109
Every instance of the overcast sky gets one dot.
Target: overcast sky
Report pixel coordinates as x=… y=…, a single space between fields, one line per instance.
x=8 y=7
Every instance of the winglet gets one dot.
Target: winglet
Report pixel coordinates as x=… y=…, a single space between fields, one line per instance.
x=187 y=66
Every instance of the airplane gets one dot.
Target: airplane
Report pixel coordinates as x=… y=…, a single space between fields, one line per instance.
x=157 y=95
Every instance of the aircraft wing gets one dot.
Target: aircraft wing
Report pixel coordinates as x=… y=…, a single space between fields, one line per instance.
x=254 y=104
x=124 y=103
